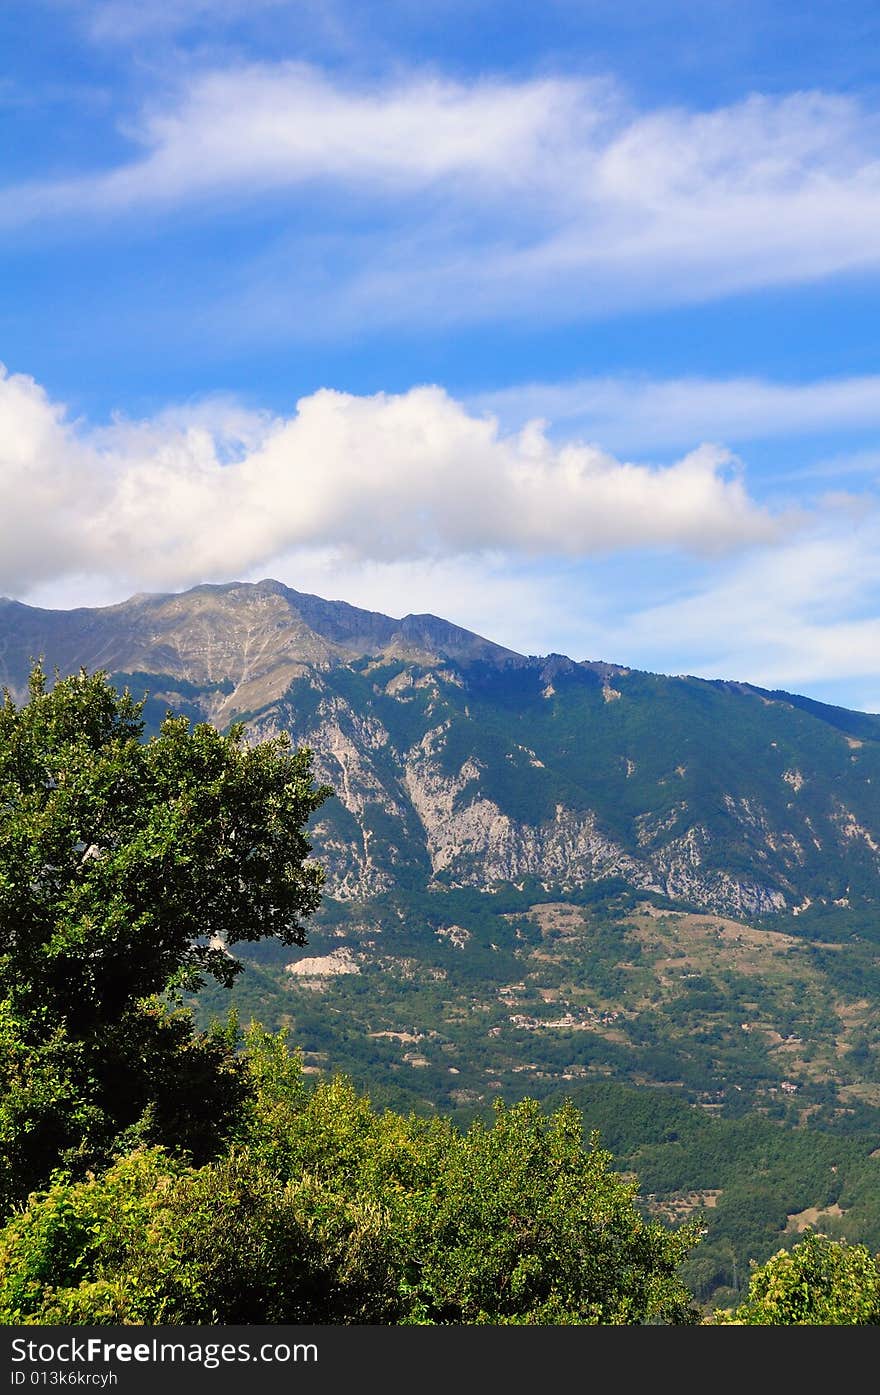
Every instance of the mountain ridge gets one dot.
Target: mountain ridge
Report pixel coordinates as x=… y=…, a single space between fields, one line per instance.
x=450 y=640
x=326 y=630
x=458 y=761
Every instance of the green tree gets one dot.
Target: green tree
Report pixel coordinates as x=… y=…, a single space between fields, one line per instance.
x=152 y=1241
x=513 y=1223
x=818 y=1283
x=325 y=1210
x=126 y=868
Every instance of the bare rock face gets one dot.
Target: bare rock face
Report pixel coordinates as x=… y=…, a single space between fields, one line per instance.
x=479 y=843
x=457 y=762
x=339 y=961
x=470 y=839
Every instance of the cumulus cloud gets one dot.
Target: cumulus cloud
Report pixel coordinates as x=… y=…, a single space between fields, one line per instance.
x=213 y=491
x=551 y=193
x=47 y=484
x=416 y=502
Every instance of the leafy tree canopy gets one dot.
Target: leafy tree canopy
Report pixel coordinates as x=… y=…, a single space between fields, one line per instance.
x=325 y=1210
x=120 y=859
x=185 y=1182
x=818 y=1283
x=126 y=866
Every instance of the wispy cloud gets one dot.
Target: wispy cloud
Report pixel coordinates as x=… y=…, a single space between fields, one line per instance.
x=806 y=613
x=263 y=128
x=636 y=412
x=549 y=196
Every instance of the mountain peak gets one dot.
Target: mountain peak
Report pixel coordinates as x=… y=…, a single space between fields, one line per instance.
x=236 y=631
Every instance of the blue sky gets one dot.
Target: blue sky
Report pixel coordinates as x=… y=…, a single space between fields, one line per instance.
x=558 y=320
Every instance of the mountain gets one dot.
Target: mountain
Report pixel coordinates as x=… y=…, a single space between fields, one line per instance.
x=657 y=896
x=458 y=762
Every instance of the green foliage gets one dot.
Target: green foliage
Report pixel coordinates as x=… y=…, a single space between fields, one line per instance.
x=120 y=859
x=153 y=1242
x=326 y=1210
x=819 y=1283
x=516 y=1222
x=124 y=866
x=74 y=1103
x=718 y=1122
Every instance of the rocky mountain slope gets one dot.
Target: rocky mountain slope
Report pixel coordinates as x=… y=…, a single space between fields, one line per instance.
x=460 y=763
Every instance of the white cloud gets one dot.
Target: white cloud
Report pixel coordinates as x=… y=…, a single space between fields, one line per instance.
x=547 y=196
x=47 y=484
x=412 y=502
x=263 y=127
x=213 y=491
x=640 y=413
x=801 y=615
